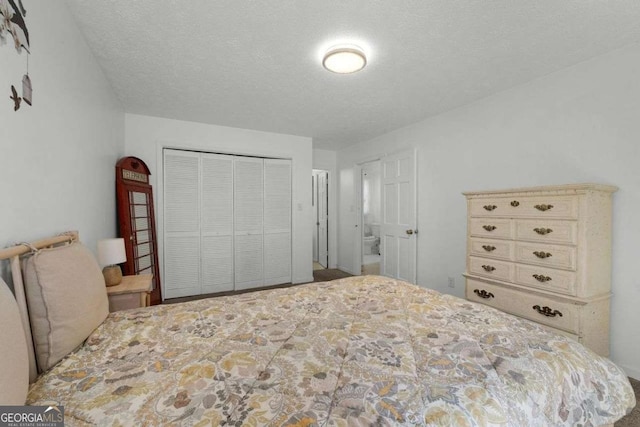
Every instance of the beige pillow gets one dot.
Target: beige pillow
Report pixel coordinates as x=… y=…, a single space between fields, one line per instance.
x=14 y=359
x=67 y=300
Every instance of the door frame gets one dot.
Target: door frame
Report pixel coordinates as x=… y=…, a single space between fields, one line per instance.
x=359 y=232
x=314 y=208
x=317 y=173
x=332 y=208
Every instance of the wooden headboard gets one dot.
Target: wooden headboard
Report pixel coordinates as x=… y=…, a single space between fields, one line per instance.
x=13 y=254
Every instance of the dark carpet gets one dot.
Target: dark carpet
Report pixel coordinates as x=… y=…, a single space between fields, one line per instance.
x=329 y=274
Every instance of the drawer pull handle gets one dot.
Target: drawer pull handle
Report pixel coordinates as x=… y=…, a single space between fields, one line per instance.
x=542 y=255
x=488 y=268
x=483 y=294
x=488 y=248
x=489 y=227
x=543 y=208
x=489 y=207
x=546 y=311
x=543 y=231
x=515 y=203
x=541 y=278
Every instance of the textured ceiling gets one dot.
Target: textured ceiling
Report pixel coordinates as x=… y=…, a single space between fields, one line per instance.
x=256 y=64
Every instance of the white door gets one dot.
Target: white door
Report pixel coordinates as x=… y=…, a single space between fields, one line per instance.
x=323 y=218
x=181 y=224
x=216 y=241
x=277 y=221
x=248 y=230
x=398 y=233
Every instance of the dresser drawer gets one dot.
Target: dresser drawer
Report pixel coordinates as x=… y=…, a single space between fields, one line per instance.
x=547 y=207
x=499 y=270
x=492 y=228
x=546 y=255
x=498 y=206
x=563 y=315
x=498 y=249
x=526 y=206
x=560 y=281
x=547 y=231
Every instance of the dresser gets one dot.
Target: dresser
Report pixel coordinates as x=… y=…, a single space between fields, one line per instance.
x=544 y=254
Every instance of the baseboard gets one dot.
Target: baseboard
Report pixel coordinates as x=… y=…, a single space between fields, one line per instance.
x=305 y=280
x=631 y=372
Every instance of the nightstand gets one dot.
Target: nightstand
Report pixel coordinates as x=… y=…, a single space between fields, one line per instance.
x=132 y=292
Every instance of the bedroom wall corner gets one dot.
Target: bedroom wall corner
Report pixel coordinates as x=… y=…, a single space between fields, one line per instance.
x=57 y=157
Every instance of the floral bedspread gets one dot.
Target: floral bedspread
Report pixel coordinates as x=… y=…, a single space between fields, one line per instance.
x=359 y=351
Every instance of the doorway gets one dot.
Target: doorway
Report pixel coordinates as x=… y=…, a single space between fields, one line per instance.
x=371 y=215
x=320 y=202
x=396 y=220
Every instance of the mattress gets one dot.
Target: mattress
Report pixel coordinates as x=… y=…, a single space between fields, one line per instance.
x=358 y=351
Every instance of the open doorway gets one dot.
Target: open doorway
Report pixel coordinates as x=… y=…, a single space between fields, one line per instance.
x=320 y=202
x=371 y=217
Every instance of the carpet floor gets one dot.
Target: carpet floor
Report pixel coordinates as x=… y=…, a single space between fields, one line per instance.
x=328 y=274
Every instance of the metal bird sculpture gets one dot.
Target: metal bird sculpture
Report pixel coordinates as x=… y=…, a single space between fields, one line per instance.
x=16 y=99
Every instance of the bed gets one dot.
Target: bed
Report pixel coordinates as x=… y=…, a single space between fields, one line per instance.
x=365 y=350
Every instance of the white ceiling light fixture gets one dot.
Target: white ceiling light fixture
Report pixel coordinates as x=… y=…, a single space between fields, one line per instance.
x=344 y=59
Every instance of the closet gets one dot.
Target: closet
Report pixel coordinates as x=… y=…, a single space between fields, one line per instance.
x=227 y=222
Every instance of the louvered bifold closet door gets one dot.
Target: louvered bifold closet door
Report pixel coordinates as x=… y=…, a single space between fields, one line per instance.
x=181 y=223
x=277 y=221
x=217 y=223
x=248 y=228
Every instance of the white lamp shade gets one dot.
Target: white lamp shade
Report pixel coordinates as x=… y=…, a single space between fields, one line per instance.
x=111 y=252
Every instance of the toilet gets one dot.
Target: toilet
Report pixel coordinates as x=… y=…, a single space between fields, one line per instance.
x=371 y=239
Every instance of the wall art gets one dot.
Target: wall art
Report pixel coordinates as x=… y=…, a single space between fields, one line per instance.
x=12 y=23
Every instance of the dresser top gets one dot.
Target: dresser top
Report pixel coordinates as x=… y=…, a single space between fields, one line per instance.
x=555 y=189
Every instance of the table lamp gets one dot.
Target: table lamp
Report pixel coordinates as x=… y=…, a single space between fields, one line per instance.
x=111 y=253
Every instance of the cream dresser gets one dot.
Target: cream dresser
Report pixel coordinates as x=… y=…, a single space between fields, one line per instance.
x=544 y=254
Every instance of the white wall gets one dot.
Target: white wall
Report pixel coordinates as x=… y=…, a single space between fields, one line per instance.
x=326 y=160
x=57 y=157
x=581 y=124
x=146 y=136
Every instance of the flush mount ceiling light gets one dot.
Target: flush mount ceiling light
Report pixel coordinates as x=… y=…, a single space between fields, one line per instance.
x=344 y=59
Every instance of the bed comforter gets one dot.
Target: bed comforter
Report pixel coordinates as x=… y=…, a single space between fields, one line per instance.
x=358 y=351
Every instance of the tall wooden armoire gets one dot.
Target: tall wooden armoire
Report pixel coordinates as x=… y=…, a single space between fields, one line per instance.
x=136 y=221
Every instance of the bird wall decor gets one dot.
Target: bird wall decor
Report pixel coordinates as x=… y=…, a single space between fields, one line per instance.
x=16 y=99
x=14 y=24
x=12 y=13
